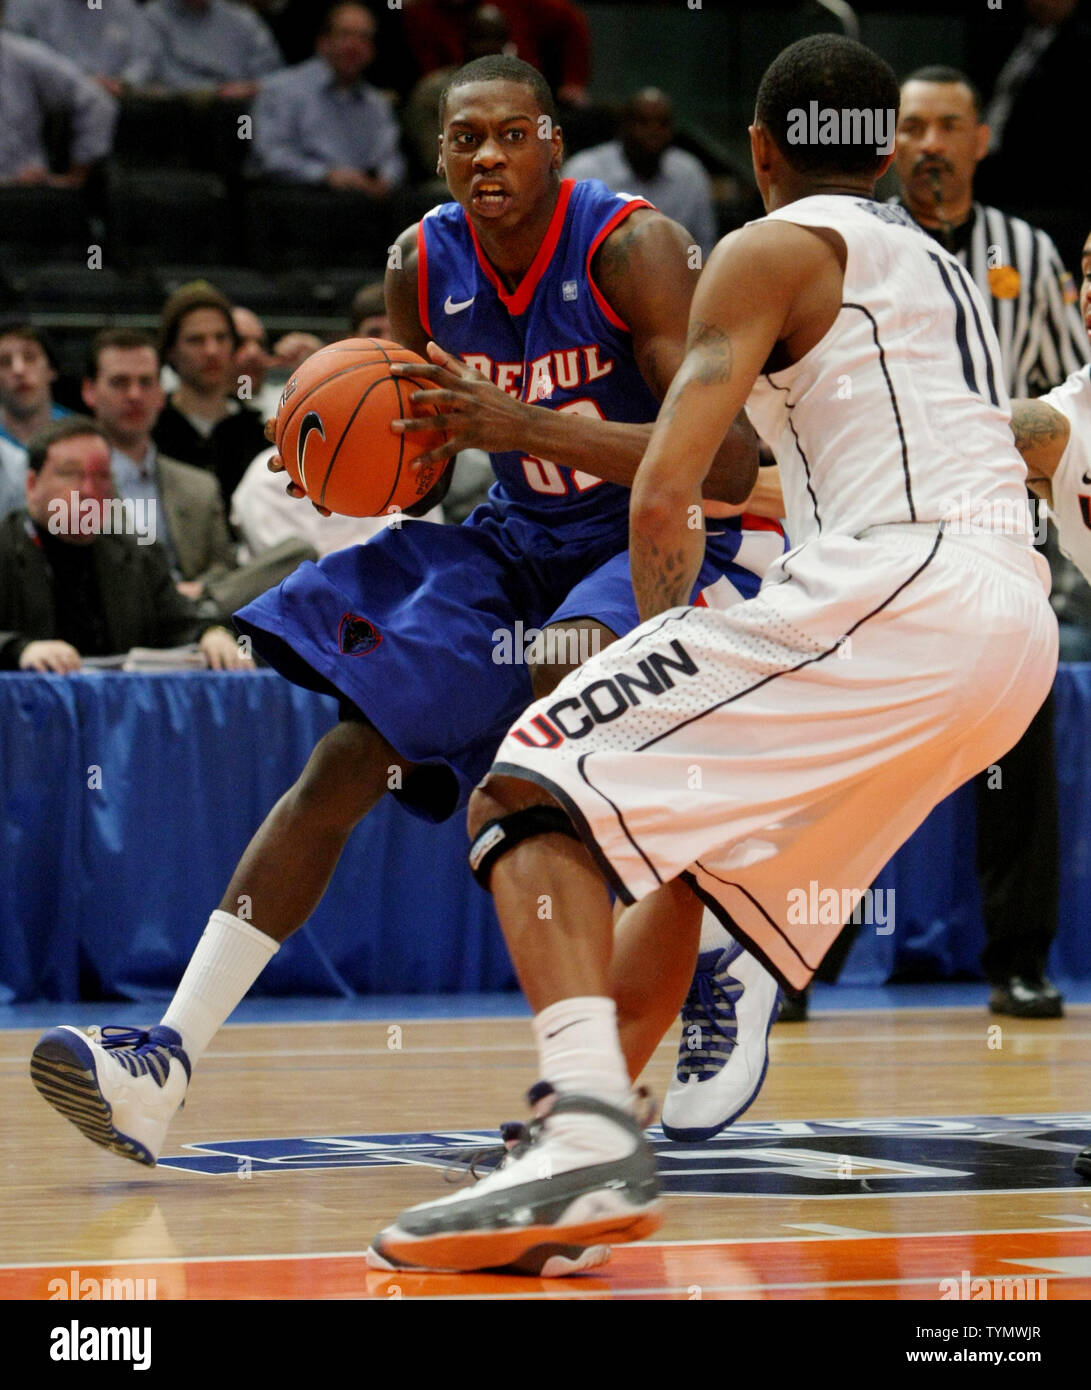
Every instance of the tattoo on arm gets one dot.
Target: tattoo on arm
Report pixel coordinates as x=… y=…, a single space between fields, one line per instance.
x=716 y=357
x=1035 y=425
x=661 y=577
x=615 y=253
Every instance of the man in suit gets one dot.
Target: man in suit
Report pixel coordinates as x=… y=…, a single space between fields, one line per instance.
x=122 y=391
x=73 y=583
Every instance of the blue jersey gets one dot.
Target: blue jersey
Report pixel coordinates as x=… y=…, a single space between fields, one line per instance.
x=553 y=341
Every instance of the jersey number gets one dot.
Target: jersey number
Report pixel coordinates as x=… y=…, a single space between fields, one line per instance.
x=543 y=476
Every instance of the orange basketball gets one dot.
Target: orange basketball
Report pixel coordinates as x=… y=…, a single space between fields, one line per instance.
x=333 y=430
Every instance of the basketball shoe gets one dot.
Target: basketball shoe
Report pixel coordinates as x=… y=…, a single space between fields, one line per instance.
x=567 y=1188
x=119 y=1086
x=724 y=1050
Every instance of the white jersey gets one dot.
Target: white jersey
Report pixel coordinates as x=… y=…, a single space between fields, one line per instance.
x=900 y=413
x=1071 y=508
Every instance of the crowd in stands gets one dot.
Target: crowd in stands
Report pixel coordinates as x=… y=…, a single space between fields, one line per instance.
x=203 y=166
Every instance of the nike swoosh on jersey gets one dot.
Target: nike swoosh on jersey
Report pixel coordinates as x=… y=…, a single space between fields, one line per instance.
x=450 y=307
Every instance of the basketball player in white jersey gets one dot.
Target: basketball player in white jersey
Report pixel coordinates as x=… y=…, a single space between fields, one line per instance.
x=813 y=764
x=1053 y=433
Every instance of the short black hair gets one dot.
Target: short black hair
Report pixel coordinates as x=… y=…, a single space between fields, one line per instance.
x=501 y=67
x=838 y=74
x=70 y=427
x=18 y=326
x=937 y=72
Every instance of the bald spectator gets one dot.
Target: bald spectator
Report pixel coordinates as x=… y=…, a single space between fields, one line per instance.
x=321 y=123
x=211 y=45
x=73 y=583
x=109 y=41
x=643 y=161
x=36 y=83
x=259 y=373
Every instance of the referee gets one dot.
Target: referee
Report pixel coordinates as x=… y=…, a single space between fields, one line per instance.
x=1032 y=299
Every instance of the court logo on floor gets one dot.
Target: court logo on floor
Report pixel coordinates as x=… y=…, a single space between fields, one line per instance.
x=895 y=1155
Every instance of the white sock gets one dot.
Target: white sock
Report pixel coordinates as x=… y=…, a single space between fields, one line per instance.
x=579 y=1051
x=230 y=956
x=713 y=935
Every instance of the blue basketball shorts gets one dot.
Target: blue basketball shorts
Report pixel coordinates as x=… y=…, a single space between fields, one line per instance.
x=426 y=630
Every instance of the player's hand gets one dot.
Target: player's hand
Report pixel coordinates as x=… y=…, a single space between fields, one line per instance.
x=475 y=413
x=222 y=652
x=275 y=464
x=56 y=656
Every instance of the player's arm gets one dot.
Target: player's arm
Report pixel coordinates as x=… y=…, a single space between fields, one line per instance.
x=643 y=270
x=1041 y=436
x=749 y=298
x=403 y=310
x=400 y=291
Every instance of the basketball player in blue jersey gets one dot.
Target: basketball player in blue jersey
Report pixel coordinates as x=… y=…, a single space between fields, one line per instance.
x=552 y=294
x=814 y=767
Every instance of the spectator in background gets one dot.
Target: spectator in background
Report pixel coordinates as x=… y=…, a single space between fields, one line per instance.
x=204 y=423
x=183 y=503
x=551 y=35
x=110 y=41
x=643 y=161
x=295 y=25
x=211 y=45
x=28 y=369
x=486 y=32
x=321 y=123
x=69 y=589
x=35 y=83
x=368 y=317
x=259 y=373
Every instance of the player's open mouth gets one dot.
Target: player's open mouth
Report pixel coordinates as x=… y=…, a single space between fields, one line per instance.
x=491 y=197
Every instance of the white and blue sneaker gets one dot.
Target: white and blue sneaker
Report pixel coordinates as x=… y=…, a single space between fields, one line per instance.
x=119 y=1086
x=723 y=1054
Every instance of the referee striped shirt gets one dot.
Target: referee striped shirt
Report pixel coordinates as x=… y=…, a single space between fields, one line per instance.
x=1031 y=298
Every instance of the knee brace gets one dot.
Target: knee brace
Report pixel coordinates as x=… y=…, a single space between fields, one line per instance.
x=498 y=836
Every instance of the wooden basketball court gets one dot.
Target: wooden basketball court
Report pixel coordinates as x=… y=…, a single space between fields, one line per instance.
x=945 y=1156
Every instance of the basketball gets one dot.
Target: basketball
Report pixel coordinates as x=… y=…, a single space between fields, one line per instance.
x=333 y=430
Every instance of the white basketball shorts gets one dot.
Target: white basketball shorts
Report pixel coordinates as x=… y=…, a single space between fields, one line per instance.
x=788 y=745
